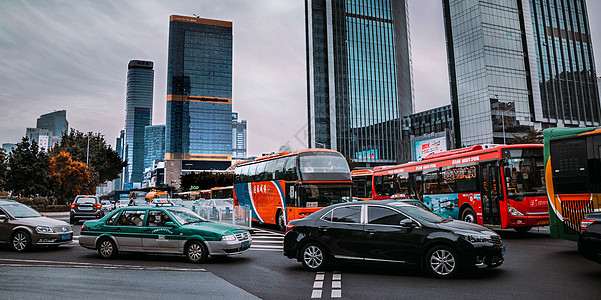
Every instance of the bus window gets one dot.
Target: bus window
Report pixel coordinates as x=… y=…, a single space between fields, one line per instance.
x=260 y=171
x=431 y=183
x=279 y=168
x=252 y=173
x=290 y=174
x=238 y=175
x=270 y=170
x=243 y=174
x=525 y=173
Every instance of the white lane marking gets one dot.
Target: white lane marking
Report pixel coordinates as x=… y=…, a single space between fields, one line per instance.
x=316 y=294
x=70 y=263
x=336 y=277
x=263 y=242
x=320 y=276
x=266 y=247
x=318 y=284
x=336 y=294
x=279 y=238
x=261 y=249
x=336 y=285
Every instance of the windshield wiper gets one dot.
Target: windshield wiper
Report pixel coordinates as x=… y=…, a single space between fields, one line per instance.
x=197 y=221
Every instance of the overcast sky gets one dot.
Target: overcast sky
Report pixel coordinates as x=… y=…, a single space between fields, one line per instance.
x=73 y=55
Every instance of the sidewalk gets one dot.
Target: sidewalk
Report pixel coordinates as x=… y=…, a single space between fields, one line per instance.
x=55 y=214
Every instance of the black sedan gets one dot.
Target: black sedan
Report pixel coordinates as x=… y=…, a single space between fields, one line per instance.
x=391 y=231
x=589 y=240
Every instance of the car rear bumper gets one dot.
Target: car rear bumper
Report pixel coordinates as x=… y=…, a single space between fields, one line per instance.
x=87 y=241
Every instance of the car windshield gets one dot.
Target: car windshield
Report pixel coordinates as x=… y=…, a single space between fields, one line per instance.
x=419 y=214
x=185 y=216
x=82 y=200
x=19 y=210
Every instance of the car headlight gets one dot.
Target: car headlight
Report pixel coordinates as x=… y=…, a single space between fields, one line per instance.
x=474 y=238
x=513 y=211
x=44 y=229
x=228 y=238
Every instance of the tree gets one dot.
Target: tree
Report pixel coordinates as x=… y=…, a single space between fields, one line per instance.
x=104 y=164
x=206 y=180
x=531 y=137
x=28 y=170
x=69 y=178
x=3 y=169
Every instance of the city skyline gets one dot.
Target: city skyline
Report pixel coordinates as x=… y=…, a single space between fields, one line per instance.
x=39 y=65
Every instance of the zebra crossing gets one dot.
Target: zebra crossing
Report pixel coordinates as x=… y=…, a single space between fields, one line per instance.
x=264 y=240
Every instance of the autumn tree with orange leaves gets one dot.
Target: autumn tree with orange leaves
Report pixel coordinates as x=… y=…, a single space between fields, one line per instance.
x=69 y=178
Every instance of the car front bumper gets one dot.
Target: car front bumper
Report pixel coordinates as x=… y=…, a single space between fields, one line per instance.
x=50 y=239
x=228 y=247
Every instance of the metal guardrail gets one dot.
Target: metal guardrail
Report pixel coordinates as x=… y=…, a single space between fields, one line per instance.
x=223 y=213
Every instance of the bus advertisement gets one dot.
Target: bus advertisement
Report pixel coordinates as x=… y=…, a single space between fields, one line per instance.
x=572 y=164
x=498 y=187
x=286 y=186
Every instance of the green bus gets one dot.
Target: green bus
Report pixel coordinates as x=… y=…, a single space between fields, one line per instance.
x=573 y=177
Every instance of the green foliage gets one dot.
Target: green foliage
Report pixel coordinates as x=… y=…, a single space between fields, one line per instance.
x=3 y=169
x=532 y=137
x=69 y=178
x=206 y=180
x=28 y=174
x=104 y=163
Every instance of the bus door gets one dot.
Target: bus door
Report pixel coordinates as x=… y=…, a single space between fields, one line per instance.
x=291 y=196
x=490 y=192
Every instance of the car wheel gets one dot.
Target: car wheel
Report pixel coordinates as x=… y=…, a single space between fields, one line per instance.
x=314 y=257
x=107 y=248
x=20 y=241
x=468 y=215
x=196 y=252
x=281 y=221
x=442 y=262
x=523 y=229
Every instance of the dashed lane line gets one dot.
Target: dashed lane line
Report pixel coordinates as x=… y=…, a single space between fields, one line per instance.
x=69 y=264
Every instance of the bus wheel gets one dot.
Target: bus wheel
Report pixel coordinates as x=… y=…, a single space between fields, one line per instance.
x=523 y=229
x=281 y=221
x=468 y=215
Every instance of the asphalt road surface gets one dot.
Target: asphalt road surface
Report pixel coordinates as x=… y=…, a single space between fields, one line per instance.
x=536 y=267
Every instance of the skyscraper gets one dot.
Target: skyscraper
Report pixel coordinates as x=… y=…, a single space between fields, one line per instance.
x=138 y=115
x=519 y=65
x=359 y=76
x=198 y=133
x=56 y=122
x=238 y=138
x=154 y=144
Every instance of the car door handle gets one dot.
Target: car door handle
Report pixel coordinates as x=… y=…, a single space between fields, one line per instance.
x=324 y=228
x=371 y=231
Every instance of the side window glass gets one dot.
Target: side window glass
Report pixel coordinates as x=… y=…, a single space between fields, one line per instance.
x=279 y=168
x=261 y=171
x=252 y=172
x=131 y=218
x=269 y=170
x=291 y=169
x=347 y=214
x=157 y=218
x=112 y=219
x=383 y=216
x=327 y=216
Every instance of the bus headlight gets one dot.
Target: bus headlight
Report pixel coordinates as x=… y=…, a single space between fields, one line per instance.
x=513 y=211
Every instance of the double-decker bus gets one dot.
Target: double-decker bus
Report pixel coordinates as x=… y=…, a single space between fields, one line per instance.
x=499 y=187
x=362 y=180
x=573 y=173
x=287 y=186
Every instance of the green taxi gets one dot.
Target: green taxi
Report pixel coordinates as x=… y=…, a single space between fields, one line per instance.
x=162 y=228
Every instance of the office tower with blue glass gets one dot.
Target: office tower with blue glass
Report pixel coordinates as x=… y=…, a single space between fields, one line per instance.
x=154 y=144
x=520 y=65
x=138 y=115
x=359 y=73
x=198 y=134
x=56 y=122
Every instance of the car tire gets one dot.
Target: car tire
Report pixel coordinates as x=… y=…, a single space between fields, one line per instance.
x=107 y=248
x=468 y=215
x=196 y=252
x=522 y=230
x=281 y=221
x=20 y=241
x=442 y=262
x=314 y=257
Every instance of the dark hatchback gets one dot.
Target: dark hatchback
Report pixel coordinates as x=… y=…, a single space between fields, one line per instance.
x=391 y=231
x=85 y=207
x=589 y=240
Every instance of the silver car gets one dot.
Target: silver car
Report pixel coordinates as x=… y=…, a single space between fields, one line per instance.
x=23 y=227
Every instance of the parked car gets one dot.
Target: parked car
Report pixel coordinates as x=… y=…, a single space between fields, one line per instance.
x=23 y=227
x=589 y=240
x=391 y=231
x=162 y=228
x=85 y=207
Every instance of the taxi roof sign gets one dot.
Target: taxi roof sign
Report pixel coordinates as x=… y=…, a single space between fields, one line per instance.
x=160 y=202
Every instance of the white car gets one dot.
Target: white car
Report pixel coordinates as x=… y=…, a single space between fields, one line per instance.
x=122 y=203
x=106 y=205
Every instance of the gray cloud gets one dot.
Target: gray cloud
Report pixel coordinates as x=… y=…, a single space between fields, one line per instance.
x=73 y=55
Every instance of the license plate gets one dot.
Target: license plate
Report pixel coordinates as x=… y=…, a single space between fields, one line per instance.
x=502 y=250
x=244 y=244
x=542 y=222
x=85 y=208
x=66 y=236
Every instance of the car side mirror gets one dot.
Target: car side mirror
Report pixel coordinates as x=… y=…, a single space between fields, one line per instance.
x=408 y=223
x=170 y=224
x=3 y=218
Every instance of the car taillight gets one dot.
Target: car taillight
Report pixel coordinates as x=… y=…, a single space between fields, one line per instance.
x=289 y=226
x=586 y=223
x=98 y=205
x=83 y=227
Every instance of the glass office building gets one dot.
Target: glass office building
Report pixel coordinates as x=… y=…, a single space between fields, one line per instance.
x=519 y=65
x=138 y=115
x=359 y=77
x=56 y=122
x=154 y=144
x=199 y=96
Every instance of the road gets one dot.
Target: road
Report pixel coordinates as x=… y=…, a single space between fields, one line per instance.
x=536 y=267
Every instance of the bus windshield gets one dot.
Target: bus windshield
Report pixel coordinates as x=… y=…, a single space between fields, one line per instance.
x=324 y=166
x=524 y=173
x=315 y=195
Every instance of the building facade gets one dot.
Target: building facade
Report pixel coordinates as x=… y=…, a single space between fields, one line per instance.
x=8 y=147
x=519 y=65
x=154 y=144
x=359 y=77
x=138 y=115
x=56 y=122
x=427 y=131
x=238 y=138
x=198 y=133
x=42 y=137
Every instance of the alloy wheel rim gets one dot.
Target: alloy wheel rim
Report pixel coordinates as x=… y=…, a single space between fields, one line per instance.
x=313 y=257
x=195 y=252
x=20 y=241
x=469 y=218
x=442 y=262
x=106 y=248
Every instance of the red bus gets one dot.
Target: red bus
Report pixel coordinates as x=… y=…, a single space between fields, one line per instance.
x=362 y=180
x=498 y=187
x=288 y=186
